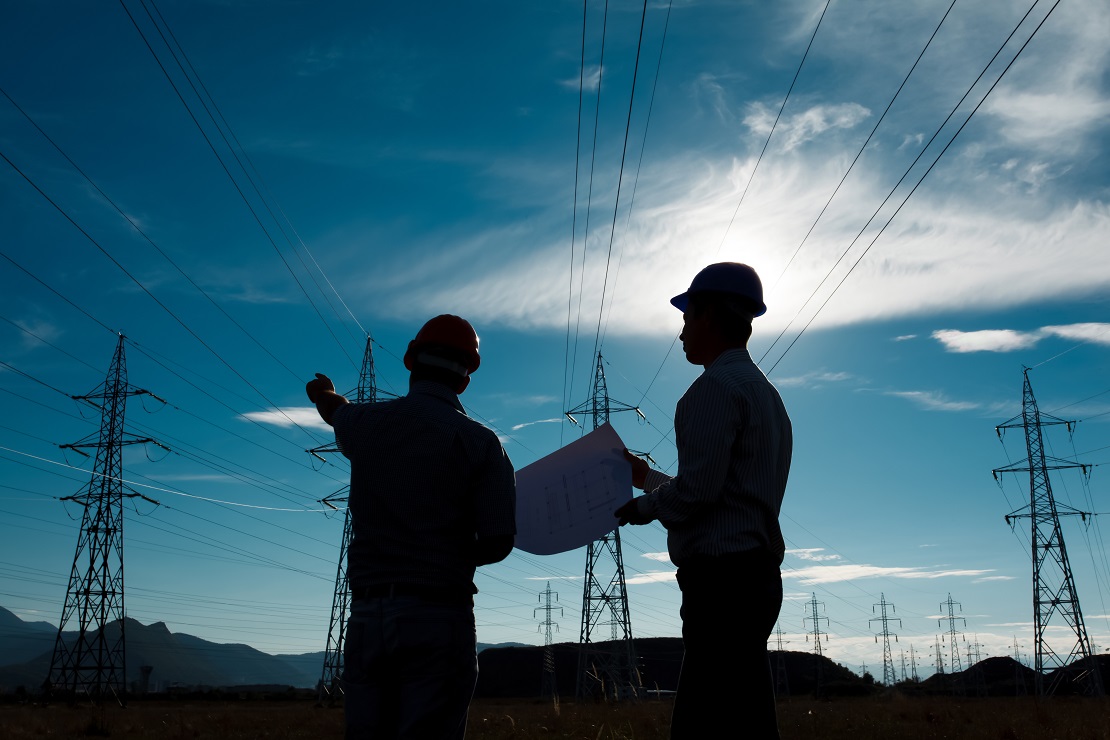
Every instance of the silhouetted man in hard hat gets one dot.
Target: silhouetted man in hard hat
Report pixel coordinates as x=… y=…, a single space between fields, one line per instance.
x=721 y=511
x=433 y=495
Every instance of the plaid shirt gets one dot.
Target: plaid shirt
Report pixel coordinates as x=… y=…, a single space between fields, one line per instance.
x=426 y=481
x=734 y=445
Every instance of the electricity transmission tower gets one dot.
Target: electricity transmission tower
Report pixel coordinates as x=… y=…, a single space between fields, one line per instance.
x=889 y=677
x=605 y=670
x=94 y=663
x=548 y=687
x=331 y=688
x=940 y=658
x=1020 y=688
x=954 y=663
x=782 y=681
x=1053 y=585
x=913 y=665
x=814 y=617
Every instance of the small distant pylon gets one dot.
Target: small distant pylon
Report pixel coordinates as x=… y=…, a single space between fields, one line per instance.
x=889 y=677
x=1020 y=689
x=973 y=660
x=94 y=662
x=816 y=619
x=913 y=665
x=782 y=680
x=940 y=659
x=549 y=689
x=611 y=670
x=330 y=688
x=1054 y=589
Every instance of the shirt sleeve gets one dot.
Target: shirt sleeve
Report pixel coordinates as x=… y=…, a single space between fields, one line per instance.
x=341 y=421
x=707 y=421
x=495 y=494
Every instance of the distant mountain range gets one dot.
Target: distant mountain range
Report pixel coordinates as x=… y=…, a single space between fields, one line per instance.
x=178 y=659
x=505 y=670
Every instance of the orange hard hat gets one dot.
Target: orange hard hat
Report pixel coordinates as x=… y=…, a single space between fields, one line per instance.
x=449 y=331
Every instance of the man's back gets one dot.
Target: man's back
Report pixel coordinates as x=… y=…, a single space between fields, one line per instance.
x=425 y=481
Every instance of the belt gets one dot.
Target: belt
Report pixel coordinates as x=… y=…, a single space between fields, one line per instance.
x=438 y=594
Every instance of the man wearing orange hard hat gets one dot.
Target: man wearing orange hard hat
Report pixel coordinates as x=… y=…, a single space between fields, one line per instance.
x=433 y=496
x=721 y=511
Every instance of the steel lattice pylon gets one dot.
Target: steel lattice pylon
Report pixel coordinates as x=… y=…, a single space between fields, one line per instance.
x=605 y=670
x=331 y=686
x=94 y=663
x=889 y=677
x=548 y=686
x=1053 y=586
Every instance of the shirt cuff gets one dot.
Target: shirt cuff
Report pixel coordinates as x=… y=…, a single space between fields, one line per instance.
x=654 y=479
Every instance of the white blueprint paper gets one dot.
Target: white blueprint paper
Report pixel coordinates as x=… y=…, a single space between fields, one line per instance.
x=566 y=500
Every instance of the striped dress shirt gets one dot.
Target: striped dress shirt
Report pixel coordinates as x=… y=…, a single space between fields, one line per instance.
x=734 y=445
x=426 y=481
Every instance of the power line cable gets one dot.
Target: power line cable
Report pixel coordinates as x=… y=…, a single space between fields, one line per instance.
x=774 y=125
x=620 y=178
x=154 y=298
x=235 y=183
x=261 y=181
x=918 y=184
x=567 y=370
x=851 y=166
x=640 y=162
x=146 y=236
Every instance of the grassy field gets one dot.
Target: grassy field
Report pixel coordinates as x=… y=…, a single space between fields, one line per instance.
x=841 y=719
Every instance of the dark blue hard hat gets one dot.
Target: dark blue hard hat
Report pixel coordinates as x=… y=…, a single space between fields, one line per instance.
x=733 y=278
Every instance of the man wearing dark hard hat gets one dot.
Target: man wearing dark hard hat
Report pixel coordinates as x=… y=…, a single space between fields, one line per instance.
x=721 y=511
x=433 y=496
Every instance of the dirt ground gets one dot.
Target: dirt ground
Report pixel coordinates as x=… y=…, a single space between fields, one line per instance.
x=800 y=719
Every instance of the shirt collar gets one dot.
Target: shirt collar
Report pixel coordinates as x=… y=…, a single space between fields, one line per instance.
x=435 y=390
x=727 y=357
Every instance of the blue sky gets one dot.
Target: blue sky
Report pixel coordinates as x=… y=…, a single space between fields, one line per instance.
x=425 y=155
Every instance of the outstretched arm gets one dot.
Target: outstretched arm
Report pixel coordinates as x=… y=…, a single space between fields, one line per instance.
x=321 y=391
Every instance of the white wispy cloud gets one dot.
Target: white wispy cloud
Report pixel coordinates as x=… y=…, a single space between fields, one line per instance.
x=590 y=80
x=662 y=557
x=305 y=416
x=796 y=129
x=554 y=420
x=815 y=379
x=553 y=578
x=1010 y=340
x=658 y=576
x=994 y=578
x=971 y=238
x=933 y=400
x=853 y=572
x=905 y=337
x=816 y=554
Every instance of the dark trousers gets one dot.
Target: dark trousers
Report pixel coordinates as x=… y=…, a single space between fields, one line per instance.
x=409 y=668
x=729 y=607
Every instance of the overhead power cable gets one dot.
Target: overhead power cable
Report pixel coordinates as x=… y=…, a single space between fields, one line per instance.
x=267 y=195
x=589 y=192
x=639 y=164
x=568 y=375
x=917 y=184
x=774 y=125
x=146 y=290
x=620 y=179
x=138 y=229
x=235 y=183
x=759 y=159
x=162 y=489
x=863 y=147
